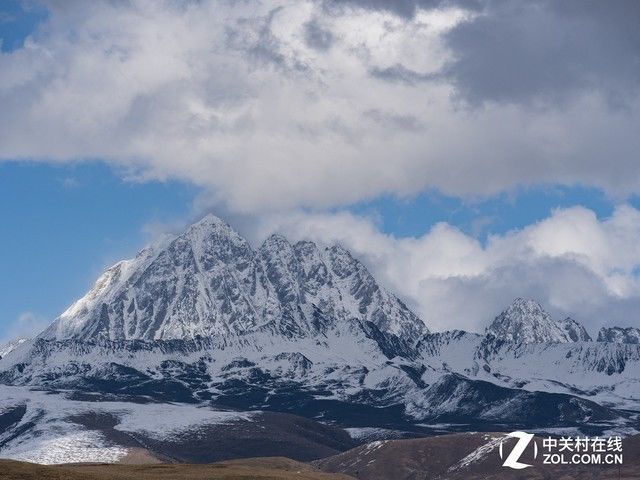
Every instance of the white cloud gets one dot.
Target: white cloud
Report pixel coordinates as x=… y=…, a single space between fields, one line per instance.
x=571 y=262
x=229 y=96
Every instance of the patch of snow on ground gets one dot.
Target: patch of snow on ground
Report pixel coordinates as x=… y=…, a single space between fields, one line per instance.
x=366 y=433
x=372 y=447
x=75 y=447
x=478 y=454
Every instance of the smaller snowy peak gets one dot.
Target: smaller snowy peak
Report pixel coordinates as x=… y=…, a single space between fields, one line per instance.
x=7 y=348
x=619 y=335
x=525 y=321
x=574 y=330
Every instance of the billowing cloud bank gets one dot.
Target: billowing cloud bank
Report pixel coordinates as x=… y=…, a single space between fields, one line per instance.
x=278 y=104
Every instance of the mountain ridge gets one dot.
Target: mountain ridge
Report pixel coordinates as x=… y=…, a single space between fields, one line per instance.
x=628 y=335
x=260 y=288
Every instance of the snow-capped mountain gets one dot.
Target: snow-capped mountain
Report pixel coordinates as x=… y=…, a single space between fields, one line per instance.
x=525 y=321
x=204 y=318
x=619 y=335
x=210 y=282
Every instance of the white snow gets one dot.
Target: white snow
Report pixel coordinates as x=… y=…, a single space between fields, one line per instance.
x=479 y=453
x=166 y=421
x=72 y=447
x=364 y=433
x=9 y=347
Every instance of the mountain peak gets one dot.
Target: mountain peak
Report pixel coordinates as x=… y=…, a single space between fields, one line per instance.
x=209 y=223
x=526 y=304
x=525 y=321
x=209 y=282
x=522 y=309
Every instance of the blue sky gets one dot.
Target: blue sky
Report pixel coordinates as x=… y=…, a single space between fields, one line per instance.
x=413 y=216
x=466 y=158
x=63 y=225
x=17 y=21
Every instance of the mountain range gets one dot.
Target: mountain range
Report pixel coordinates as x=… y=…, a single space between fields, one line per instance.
x=203 y=326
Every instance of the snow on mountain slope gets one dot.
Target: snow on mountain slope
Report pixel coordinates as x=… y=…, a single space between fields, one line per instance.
x=604 y=372
x=306 y=374
x=246 y=372
x=599 y=371
x=455 y=398
x=210 y=282
x=619 y=335
x=9 y=347
x=524 y=321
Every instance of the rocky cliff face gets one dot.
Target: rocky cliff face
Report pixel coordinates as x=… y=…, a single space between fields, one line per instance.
x=620 y=335
x=574 y=330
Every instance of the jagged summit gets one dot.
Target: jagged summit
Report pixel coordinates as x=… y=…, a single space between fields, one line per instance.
x=525 y=321
x=211 y=219
x=210 y=282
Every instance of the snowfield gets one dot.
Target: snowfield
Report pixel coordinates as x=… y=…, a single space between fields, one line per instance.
x=49 y=434
x=65 y=447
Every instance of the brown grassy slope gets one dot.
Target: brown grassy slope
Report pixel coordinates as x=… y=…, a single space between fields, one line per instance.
x=251 y=469
x=420 y=458
x=438 y=458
